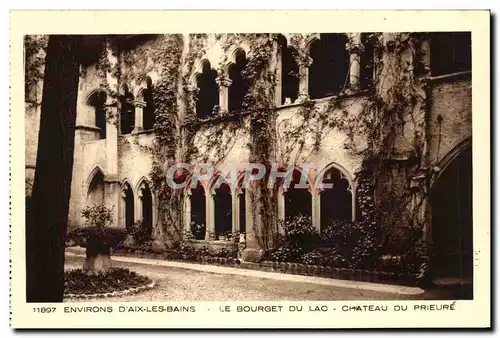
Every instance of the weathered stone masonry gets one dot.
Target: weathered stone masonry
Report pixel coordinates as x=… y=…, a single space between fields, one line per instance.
x=333 y=72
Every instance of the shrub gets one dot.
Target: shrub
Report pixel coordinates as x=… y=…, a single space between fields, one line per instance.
x=354 y=243
x=287 y=253
x=97 y=215
x=203 y=251
x=299 y=232
x=80 y=282
x=139 y=232
x=198 y=230
x=313 y=258
x=84 y=236
x=224 y=253
x=182 y=251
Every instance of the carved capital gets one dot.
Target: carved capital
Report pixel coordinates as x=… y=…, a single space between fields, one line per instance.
x=223 y=81
x=355 y=48
x=303 y=59
x=139 y=104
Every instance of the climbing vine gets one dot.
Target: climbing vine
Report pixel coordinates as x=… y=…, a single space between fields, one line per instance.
x=35 y=48
x=375 y=122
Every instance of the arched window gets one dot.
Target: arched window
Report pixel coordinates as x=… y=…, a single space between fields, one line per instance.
x=239 y=85
x=223 y=204
x=148 y=118
x=146 y=201
x=95 y=194
x=450 y=52
x=127 y=114
x=128 y=206
x=198 y=212
x=298 y=199
x=97 y=101
x=336 y=201
x=208 y=95
x=367 y=61
x=329 y=71
x=289 y=72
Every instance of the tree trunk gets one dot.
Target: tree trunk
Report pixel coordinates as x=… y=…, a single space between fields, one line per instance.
x=48 y=213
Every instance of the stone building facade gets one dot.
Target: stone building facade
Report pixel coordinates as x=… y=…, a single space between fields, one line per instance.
x=338 y=75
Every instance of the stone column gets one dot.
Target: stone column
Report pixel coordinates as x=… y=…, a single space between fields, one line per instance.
x=281 y=207
x=223 y=84
x=139 y=116
x=235 y=211
x=253 y=251
x=210 y=216
x=355 y=49
x=304 y=62
x=316 y=210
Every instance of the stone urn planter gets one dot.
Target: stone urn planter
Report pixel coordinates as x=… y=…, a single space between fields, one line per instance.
x=97 y=237
x=98 y=242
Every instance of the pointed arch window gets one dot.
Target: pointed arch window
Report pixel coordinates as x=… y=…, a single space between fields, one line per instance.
x=329 y=71
x=336 y=201
x=298 y=199
x=239 y=85
x=128 y=206
x=208 y=94
x=98 y=101
x=127 y=113
x=148 y=117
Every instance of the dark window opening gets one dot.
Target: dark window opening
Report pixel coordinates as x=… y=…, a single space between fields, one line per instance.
x=451 y=52
x=329 y=71
x=98 y=101
x=223 y=210
x=208 y=95
x=289 y=73
x=298 y=200
x=147 y=210
x=127 y=115
x=129 y=206
x=336 y=202
x=148 y=118
x=198 y=212
x=366 y=63
x=239 y=85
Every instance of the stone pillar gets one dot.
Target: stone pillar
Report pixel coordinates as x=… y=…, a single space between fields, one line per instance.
x=223 y=84
x=111 y=182
x=139 y=116
x=355 y=49
x=210 y=216
x=235 y=196
x=112 y=195
x=304 y=63
x=253 y=251
x=187 y=213
x=281 y=207
x=316 y=210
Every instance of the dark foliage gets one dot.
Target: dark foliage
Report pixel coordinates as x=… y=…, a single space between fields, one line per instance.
x=81 y=282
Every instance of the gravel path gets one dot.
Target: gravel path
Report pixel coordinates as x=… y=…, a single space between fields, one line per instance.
x=176 y=284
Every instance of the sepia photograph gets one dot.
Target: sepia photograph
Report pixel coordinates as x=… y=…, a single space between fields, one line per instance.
x=328 y=165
